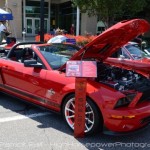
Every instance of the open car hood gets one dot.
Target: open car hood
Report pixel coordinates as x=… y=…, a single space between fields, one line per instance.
x=113 y=38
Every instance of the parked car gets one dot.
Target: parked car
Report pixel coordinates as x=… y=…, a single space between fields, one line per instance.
x=117 y=99
x=132 y=51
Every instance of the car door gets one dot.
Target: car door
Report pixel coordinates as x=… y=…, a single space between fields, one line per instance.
x=25 y=81
x=33 y=78
x=12 y=73
x=34 y=83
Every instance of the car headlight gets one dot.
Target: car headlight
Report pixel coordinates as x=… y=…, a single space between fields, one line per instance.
x=122 y=102
x=125 y=101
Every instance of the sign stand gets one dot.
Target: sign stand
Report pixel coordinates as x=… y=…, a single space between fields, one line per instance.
x=80 y=103
x=81 y=70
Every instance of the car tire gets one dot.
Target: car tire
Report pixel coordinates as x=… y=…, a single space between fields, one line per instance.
x=94 y=121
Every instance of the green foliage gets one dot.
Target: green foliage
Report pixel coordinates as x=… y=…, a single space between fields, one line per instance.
x=107 y=10
x=134 y=6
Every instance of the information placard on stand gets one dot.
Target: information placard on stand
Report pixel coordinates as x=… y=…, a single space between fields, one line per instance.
x=81 y=70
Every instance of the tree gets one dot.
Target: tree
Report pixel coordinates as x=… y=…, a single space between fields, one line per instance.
x=108 y=10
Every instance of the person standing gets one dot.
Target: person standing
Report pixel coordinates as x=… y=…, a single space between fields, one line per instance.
x=72 y=29
x=3 y=31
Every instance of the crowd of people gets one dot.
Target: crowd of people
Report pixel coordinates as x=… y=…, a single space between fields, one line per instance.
x=59 y=31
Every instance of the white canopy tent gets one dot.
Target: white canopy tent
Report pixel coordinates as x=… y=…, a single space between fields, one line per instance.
x=4 y=15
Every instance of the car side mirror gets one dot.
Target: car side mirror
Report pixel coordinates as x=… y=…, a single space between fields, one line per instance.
x=32 y=63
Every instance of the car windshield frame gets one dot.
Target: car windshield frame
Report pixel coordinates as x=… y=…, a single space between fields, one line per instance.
x=135 y=52
x=57 y=54
x=130 y=51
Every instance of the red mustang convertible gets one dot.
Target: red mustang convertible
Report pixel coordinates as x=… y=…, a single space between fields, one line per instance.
x=118 y=99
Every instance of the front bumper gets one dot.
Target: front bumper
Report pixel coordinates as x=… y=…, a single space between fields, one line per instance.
x=122 y=121
x=108 y=132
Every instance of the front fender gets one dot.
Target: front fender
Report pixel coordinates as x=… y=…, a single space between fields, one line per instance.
x=102 y=95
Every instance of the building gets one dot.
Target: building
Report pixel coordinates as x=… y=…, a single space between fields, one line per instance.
x=57 y=14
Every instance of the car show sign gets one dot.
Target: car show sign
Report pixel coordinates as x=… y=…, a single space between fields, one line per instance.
x=81 y=70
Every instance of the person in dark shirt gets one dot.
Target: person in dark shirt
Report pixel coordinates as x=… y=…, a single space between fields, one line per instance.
x=72 y=29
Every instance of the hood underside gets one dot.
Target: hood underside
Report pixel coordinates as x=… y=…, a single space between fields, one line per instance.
x=140 y=66
x=113 y=38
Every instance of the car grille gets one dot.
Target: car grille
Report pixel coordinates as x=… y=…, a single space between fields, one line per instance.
x=145 y=120
x=145 y=96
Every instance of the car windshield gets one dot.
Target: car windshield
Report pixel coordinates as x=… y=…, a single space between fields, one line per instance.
x=136 y=52
x=130 y=50
x=58 y=54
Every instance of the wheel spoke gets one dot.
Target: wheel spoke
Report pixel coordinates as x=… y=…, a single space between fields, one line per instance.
x=70 y=110
x=70 y=116
x=86 y=127
x=73 y=104
x=72 y=125
x=89 y=121
x=90 y=112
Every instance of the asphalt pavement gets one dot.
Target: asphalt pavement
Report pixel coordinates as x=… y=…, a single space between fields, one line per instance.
x=26 y=127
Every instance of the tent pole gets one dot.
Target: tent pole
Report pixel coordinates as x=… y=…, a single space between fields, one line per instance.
x=42 y=21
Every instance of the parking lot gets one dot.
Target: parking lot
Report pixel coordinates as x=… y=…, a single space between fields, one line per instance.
x=26 y=127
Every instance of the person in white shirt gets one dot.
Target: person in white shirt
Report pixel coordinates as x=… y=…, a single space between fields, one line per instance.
x=3 y=31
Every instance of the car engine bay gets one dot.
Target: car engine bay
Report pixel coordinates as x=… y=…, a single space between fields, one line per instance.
x=121 y=79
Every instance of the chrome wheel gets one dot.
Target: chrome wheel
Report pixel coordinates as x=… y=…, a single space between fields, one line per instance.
x=69 y=114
